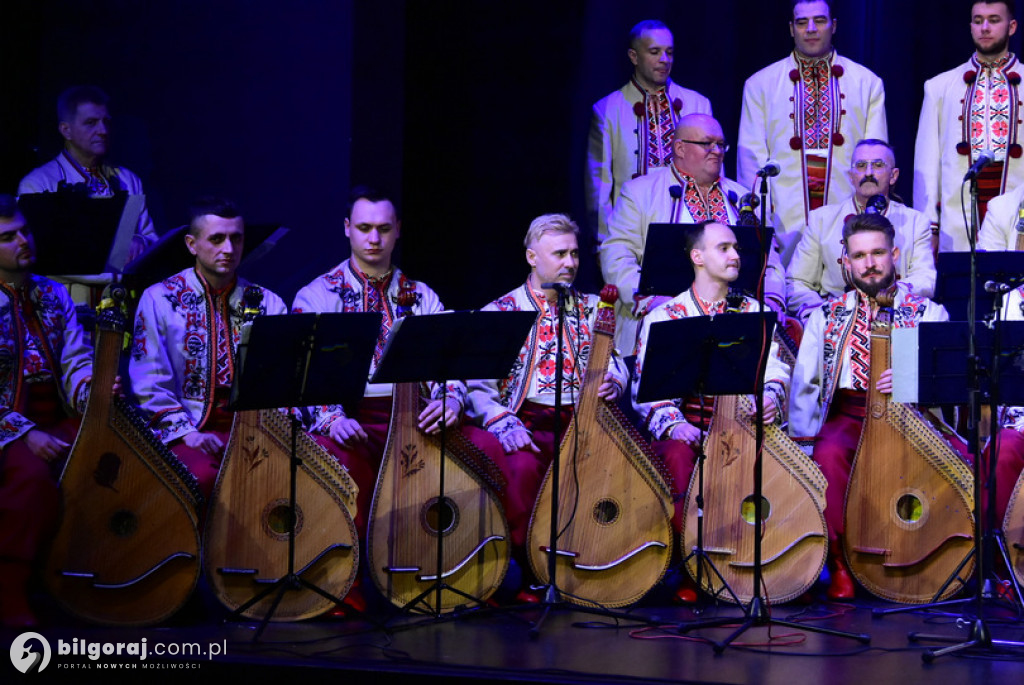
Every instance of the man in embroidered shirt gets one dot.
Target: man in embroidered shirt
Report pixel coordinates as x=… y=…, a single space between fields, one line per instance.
x=85 y=127
x=968 y=110
x=517 y=413
x=675 y=425
x=369 y=282
x=815 y=272
x=631 y=129
x=43 y=382
x=187 y=330
x=689 y=190
x=832 y=372
x=805 y=112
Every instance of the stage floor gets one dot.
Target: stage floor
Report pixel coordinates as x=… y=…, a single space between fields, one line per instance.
x=570 y=646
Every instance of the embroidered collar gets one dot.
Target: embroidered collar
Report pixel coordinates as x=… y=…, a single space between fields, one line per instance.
x=806 y=62
x=997 y=64
x=86 y=171
x=706 y=307
x=656 y=91
x=686 y=180
x=216 y=292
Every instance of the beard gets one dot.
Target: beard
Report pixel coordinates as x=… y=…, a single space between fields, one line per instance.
x=995 y=49
x=872 y=288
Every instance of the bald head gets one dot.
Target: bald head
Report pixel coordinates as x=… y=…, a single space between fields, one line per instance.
x=699 y=147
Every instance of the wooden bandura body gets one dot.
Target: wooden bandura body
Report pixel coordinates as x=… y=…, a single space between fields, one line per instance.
x=794 y=541
x=614 y=506
x=406 y=516
x=247 y=526
x=128 y=550
x=909 y=501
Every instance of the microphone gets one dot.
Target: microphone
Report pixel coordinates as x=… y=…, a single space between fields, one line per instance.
x=675 y=191
x=983 y=160
x=556 y=285
x=747 y=204
x=770 y=169
x=997 y=287
x=876 y=204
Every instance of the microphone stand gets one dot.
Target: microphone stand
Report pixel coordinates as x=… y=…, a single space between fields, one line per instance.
x=757 y=612
x=980 y=635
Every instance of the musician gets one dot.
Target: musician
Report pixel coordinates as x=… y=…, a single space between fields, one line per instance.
x=675 y=425
x=517 y=413
x=85 y=126
x=1004 y=224
x=805 y=112
x=187 y=329
x=968 y=110
x=368 y=281
x=43 y=383
x=691 y=189
x=631 y=129
x=832 y=370
x=1010 y=453
x=815 y=272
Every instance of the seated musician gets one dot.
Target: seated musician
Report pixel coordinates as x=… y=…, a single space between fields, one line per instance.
x=676 y=425
x=815 y=271
x=517 y=412
x=831 y=375
x=187 y=328
x=1010 y=454
x=368 y=282
x=43 y=383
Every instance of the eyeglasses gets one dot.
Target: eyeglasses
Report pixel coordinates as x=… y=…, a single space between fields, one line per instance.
x=875 y=164
x=708 y=144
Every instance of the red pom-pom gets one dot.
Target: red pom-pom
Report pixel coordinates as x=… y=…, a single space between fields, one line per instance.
x=796 y=143
x=677 y=105
x=1015 y=150
x=969 y=76
x=963 y=148
x=838 y=139
x=638 y=109
x=1014 y=78
x=794 y=75
x=837 y=70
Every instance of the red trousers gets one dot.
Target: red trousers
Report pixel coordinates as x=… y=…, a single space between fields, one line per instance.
x=1009 y=464
x=363 y=460
x=680 y=460
x=29 y=498
x=204 y=466
x=523 y=469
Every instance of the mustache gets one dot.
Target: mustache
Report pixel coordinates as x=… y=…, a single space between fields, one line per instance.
x=868 y=178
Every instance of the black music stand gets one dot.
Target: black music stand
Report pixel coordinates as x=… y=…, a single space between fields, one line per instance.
x=946 y=375
x=723 y=359
x=439 y=348
x=78 y=234
x=666 y=267
x=953 y=285
x=299 y=360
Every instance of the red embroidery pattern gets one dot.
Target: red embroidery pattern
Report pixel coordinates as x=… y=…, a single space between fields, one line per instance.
x=714 y=206
x=860 y=346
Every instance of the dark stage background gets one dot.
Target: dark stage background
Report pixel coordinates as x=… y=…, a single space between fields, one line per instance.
x=474 y=114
